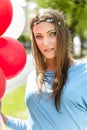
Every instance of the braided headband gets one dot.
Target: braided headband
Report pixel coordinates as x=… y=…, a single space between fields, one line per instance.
x=49 y=20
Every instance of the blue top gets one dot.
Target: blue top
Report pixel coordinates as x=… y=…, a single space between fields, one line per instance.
x=72 y=114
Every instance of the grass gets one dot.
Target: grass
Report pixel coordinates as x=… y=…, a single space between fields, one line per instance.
x=13 y=103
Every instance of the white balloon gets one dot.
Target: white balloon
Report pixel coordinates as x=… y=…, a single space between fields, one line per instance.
x=17 y=25
x=20 y=2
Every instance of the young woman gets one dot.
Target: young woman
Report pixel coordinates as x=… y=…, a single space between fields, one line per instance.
x=56 y=91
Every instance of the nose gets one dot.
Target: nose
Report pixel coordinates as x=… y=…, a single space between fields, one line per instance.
x=46 y=41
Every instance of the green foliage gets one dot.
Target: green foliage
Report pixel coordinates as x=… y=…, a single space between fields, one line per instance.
x=13 y=103
x=25 y=40
x=75 y=10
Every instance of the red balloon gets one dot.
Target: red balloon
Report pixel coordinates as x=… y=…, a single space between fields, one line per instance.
x=6 y=12
x=2 y=83
x=12 y=56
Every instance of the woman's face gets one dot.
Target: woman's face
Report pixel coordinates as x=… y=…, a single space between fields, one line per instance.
x=46 y=40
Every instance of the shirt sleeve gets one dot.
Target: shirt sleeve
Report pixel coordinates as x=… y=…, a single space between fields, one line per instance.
x=17 y=124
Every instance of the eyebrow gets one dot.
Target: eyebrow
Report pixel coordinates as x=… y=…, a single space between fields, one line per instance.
x=51 y=30
x=48 y=31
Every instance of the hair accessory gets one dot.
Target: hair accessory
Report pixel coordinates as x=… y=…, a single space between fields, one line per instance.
x=59 y=23
x=49 y=20
x=36 y=22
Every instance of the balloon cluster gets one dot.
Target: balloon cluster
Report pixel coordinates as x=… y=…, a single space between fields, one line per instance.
x=12 y=52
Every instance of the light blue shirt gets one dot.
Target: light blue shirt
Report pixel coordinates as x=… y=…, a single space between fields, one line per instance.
x=72 y=114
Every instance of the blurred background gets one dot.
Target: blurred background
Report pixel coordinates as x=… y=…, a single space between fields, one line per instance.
x=75 y=12
x=76 y=18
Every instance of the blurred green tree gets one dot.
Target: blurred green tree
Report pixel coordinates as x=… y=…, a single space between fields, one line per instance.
x=75 y=12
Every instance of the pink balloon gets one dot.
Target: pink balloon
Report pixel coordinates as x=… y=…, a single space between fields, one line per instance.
x=12 y=56
x=6 y=12
x=2 y=83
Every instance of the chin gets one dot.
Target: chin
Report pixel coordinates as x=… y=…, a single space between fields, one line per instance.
x=50 y=57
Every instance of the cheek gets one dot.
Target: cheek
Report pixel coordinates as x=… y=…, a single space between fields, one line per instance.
x=38 y=42
x=39 y=46
x=56 y=46
x=55 y=43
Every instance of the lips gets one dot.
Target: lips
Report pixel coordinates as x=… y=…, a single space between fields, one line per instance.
x=49 y=49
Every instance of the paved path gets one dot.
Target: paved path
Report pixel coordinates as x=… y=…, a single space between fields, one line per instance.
x=21 y=77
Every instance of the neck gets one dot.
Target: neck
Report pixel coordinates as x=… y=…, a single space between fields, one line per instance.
x=51 y=64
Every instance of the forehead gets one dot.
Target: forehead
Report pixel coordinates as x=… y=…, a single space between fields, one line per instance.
x=43 y=27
